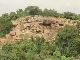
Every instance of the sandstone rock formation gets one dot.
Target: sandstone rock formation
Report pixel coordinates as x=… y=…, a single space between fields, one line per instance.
x=38 y=26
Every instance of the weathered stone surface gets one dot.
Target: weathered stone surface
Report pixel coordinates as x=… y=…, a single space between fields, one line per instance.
x=12 y=33
x=38 y=26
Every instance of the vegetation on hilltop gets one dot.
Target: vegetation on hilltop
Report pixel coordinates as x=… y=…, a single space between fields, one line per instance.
x=5 y=19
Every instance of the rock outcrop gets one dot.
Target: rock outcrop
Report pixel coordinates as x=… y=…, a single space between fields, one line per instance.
x=38 y=26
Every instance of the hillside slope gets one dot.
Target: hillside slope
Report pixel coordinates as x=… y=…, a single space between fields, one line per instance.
x=38 y=26
x=34 y=26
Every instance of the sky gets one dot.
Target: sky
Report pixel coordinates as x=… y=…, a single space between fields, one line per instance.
x=7 y=6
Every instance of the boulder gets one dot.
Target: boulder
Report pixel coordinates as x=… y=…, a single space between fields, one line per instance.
x=46 y=22
x=12 y=33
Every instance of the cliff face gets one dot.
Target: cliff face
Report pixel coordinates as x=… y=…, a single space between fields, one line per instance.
x=38 y=26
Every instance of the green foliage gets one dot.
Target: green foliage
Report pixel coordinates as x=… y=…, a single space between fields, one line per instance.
x=7 y=47
x=50 y=12
x=20 y=13
x=13 y=16
x=70 y=15
x=57 y=54
x=63 y=58
x=26 y=50
x=33 y=10
x=68 y=32
x=38 y=49
x=78 y=28
x=5 y=25
x=68 y=41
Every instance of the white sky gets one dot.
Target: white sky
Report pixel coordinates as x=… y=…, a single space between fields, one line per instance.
x=7 y=6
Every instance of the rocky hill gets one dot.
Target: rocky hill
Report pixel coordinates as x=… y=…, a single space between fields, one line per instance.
x=38 y=26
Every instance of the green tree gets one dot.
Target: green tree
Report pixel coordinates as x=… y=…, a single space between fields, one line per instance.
x=5 y=24
x=67 y=40
x=78 y=16
x=13 y=16
x=33 y=10
x=20 y=13
x=50 y=12
x=70 y=15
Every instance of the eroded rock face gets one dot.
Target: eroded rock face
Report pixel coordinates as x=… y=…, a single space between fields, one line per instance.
x=38 y=26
